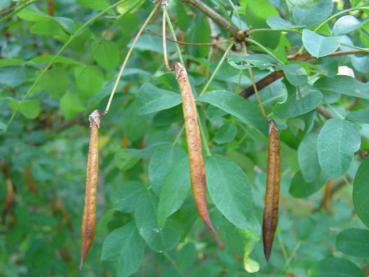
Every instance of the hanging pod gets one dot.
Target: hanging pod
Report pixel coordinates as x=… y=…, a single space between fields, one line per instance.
x=197 y=165
x=89 y=210
x=270 y=218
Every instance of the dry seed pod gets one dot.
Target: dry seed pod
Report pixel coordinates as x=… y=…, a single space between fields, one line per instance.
x=89 y=211
x=270 y=219
x=9 y=200
x=197 y=165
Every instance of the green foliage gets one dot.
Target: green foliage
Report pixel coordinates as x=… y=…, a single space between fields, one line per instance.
x=56 y=69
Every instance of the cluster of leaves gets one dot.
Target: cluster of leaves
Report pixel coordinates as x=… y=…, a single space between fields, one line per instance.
x=147 y=222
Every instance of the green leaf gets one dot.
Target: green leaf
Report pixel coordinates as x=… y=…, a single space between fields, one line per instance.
x=12 y=76
x=134 y=124
x=125 y=246
x=311 y=12
x=277 y=22
x=354 y=242
x=230 y=192
x=360 y=192
x=330 y=267
x=343 y=85
x=158 y=239
x=174 y=190
x=308 y=157
x=300 y=102
x=28 y=108
x=55 y=82
x=295 y=74
x=235 y=105
x=125 y=159
x=226 y=133
x=94 y=4
x=161 y=164
x=152 y=99
x=345 y=24
x=70 y=105
x=89 y=80
x=360 y=116
x=338 y=140
x=125 y=198
x=107 y=54
x=317 y=45
x=300 y=188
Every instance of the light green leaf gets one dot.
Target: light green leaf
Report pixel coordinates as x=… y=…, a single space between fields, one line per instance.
x=360 y=192
x=125 y=246
x=235 y=105
x=295 y=74
x=300 y=102
x=311 y=12
x=70 y=105
x=354 y=242
x=174 y=190
x=125 y=159
x=360 y=116
x=277 y=22
x=317 y=45
x=107 y=54
x=152 y=99
x=161 y=163
x=230 y=192
x=308 y=157
x=345 y=24
x=28 y=108
x=89 y=80
x=125 y=198
x=299 y=188
x=94 y=4
x=225 y=134
x=343 y=85
x=158 y=239
x=55 y=82
x=334 y=267
x=338 y=140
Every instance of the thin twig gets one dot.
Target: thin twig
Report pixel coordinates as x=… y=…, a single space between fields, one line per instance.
x=238 y=34
x=175 y=38
x=214 y=43
x=326 y=114
x=17 y=9
x=129 y=53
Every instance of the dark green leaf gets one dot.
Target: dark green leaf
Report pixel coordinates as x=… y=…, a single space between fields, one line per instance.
x=242 y=109
x=299 y=188
x=354 y=242
x=308 y=157
x=230 y=192
x=152 y=99
x=330 y=267
x=360 y=192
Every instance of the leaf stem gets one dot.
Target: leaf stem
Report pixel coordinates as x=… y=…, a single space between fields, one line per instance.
x=129 y=53
x=216 y=69
x=169 y=21
x=266 y=50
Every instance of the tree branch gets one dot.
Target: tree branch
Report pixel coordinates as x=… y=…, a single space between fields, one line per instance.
x=238 y=34
x=274 y=76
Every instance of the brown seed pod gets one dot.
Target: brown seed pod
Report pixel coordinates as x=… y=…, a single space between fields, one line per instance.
x=197 y=165
x=29 y=180
x=89 y=211
x=9 y=200
x=270 y=219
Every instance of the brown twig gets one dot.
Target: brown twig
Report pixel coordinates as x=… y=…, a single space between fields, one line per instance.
x=51 y=7
x=326 y=114
x=237 y=34
x=180 y=42
x=276 y=75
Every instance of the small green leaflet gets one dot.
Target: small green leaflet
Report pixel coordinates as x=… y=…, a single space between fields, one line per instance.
x=230 y=192
x=330 y=267
x=152 y=99
x=317 y=45
x=247 y=112
x=338 y=140
x=361 y=191
x=354 y=242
